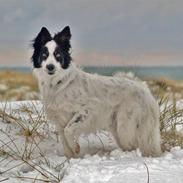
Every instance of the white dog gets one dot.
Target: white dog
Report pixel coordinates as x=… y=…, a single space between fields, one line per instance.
x=78 y=102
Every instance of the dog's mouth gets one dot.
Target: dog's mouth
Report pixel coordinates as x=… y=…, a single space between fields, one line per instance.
x=51 y=73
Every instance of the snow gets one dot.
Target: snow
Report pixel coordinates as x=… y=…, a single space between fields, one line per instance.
x=127 y=167
x=47 y=161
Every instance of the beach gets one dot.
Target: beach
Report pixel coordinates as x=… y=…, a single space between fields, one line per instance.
x=21 y=85
x=31 y=150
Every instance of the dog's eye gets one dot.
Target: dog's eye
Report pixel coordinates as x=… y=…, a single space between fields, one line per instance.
x=44 y=55
x=57 y=55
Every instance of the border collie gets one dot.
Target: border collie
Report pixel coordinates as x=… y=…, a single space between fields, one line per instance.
x=82 y=103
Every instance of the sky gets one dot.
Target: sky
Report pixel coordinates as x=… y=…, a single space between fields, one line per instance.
x=104 y=32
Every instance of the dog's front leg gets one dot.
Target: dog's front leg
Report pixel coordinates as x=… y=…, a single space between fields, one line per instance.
x=80 y=123
x=67 y=150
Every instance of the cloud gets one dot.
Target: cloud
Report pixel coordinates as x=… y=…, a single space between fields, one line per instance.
x=15 y=57
x=148 y=59
x=115 y=27
x=14 y=16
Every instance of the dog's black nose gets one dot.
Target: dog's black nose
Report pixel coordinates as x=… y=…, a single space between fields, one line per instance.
x=50 y=67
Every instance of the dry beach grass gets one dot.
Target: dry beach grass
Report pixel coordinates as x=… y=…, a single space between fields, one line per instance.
x=22 y=86
x=17 y=86
x=28 y=156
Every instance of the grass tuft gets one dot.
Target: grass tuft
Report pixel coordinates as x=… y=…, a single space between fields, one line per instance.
x=29 y=153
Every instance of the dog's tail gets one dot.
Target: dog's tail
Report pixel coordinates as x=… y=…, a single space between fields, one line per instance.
x=130 y=76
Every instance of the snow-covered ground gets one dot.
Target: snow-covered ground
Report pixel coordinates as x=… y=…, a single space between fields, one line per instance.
x=30 y=151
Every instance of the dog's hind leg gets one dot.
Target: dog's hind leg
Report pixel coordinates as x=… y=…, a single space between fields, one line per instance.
x=149 y=139
x=125 y=130
x=139 y=130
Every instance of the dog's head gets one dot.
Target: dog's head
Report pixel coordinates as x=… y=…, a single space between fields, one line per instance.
x=52 y=53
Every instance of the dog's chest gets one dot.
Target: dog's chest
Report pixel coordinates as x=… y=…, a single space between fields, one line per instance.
x=59 y=114
x=61 y=105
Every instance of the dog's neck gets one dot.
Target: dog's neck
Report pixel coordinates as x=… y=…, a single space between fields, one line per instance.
x=61 y=80
x=64 y=78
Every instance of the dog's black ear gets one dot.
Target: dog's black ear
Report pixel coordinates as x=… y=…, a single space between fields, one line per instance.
x=42 y=38
x=63 y=38
x=64 y=35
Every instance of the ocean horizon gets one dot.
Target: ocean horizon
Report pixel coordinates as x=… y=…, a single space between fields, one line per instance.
x=171 y=72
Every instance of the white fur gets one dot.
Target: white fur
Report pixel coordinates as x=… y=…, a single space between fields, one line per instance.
x=51 y=45
x=78 y=102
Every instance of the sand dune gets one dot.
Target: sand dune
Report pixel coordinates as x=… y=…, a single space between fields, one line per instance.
x=22 y=86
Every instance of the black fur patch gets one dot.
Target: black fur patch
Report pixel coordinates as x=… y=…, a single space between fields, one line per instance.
x=63 y=41
x=79 y=118
x=42 y=38
x=59 y=82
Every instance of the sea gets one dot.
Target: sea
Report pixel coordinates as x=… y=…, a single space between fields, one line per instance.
x=170 y=72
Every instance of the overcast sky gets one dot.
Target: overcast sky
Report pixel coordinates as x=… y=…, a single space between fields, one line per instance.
x=119 y=32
